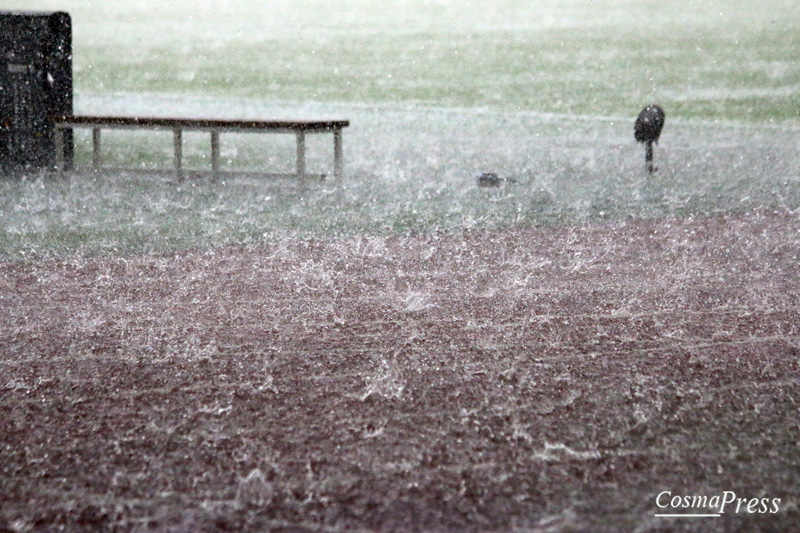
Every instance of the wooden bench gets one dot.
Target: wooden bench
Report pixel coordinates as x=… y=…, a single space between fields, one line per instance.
x=178 y=125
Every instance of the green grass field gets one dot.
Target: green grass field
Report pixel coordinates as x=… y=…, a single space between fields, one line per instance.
x=710 y=60
x=542 y=93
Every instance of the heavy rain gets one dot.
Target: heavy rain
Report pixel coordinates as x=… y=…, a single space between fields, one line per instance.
x=587 y=344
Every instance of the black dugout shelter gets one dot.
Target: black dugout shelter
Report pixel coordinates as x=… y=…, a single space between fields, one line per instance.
x=35 y=84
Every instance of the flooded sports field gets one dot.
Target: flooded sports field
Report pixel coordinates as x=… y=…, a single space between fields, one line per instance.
x=583 y=347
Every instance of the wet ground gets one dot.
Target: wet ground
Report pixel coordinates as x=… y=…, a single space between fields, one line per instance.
x=558 y=380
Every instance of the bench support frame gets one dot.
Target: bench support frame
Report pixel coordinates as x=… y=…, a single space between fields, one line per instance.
x=214 y=127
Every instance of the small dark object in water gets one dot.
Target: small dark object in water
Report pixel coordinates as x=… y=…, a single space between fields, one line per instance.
x=647 y=130
x=488 y=179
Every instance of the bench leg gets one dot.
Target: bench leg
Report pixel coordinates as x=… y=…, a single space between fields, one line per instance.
x=215 y=155
x=96 y=148
x=301 y=157
x=338 y=165
x=177 y=139
x=59 y=138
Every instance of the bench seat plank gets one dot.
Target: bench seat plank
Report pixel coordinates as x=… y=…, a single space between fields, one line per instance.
x=214 y=126
x=199 y=123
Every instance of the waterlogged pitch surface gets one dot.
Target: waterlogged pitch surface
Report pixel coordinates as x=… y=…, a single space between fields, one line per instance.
x=407 y=169
x=406 y=350
x=560 y=378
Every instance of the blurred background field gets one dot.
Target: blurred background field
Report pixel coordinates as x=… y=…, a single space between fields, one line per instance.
x=542 y=93
x=711 y=60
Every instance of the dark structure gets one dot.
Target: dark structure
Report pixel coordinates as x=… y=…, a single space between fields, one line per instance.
x=648 y=129
x=35 y=84
x=488 y=179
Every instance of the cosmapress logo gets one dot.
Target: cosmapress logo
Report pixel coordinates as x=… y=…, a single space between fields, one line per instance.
x=671 y=504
